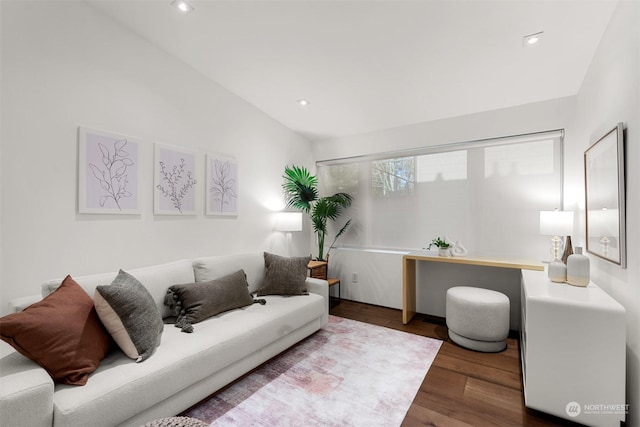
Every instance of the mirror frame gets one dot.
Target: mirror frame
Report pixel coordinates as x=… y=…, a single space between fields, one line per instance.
x=604 y=179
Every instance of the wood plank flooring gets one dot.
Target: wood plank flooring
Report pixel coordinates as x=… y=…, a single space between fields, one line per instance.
x=463 y=387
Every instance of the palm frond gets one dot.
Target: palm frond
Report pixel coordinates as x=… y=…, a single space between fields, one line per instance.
x=331 y=206
x=323 y=209
x=319 y=224
x=300 y=188
x=300 y=174
x=342 y=199
x=340 y=233
x=342 y=230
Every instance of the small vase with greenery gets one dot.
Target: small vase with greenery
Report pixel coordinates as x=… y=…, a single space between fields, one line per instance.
x=301 y=192
x=442 y=245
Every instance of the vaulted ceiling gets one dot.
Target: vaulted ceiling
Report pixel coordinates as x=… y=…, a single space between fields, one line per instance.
x=371 y=65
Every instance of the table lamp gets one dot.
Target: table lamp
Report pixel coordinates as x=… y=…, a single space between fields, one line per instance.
x=556 y=223
x=288 y=222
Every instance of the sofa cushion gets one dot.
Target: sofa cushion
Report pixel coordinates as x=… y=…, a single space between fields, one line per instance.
x=208 y=268
x=195 y=302
x=156 y=278
x=183 y=360
x=62 y=333
x=284 y=276
x=127 y=310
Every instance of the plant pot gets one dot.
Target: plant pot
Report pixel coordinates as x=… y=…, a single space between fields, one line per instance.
x=444 y=252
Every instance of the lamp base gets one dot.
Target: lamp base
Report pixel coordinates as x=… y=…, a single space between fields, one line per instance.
x=556 y=248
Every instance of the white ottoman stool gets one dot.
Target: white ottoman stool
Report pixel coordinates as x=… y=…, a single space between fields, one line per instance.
x=477 y=318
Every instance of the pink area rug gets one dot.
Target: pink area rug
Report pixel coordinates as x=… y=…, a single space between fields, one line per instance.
x=347 y=374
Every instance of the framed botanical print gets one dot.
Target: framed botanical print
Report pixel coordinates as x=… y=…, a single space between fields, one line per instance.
x=174 y=181
x=222 y=185
x=108 y=173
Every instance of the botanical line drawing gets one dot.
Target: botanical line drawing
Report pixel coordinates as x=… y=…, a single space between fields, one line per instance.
x=222 y=183
x=112 y=174
x=178 y=180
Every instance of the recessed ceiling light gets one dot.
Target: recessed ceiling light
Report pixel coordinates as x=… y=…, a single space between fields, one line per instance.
x=303 y=102
x=182 y=6
x=532 y=39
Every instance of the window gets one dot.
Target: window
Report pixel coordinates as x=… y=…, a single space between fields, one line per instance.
x=442 y=166
x=392 y=176
x=486 y=194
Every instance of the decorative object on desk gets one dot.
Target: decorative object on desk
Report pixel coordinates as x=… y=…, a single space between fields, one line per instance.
x=444 y=252
x=556 y=223
x=568 y=250
x=557 y=271
x=578 y=266
x=288 y=222
x=301 y=192
x=605 y=197
x=442 y=245
x=458 y=250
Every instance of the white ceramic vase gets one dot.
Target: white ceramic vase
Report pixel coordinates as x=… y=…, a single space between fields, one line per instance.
x=578 y=269
x=557 y=271
x=458 y=250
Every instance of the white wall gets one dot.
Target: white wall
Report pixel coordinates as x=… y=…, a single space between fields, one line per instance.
x=610 y=94
x=65 y=65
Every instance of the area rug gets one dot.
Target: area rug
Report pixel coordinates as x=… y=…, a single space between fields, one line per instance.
x=347 y=374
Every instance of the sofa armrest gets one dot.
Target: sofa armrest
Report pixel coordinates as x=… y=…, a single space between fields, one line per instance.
x=19 y=304
x=320 y=287
x=26 y=393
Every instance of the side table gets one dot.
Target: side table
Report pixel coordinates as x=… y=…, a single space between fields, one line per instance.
x=319 y=270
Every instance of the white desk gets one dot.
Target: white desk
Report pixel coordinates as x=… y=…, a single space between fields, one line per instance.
x=409 y=273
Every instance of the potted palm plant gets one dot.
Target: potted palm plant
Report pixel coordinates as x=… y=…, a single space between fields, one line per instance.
x=301 y=192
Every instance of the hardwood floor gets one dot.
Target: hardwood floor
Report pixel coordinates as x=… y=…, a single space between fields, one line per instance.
x=463 y=387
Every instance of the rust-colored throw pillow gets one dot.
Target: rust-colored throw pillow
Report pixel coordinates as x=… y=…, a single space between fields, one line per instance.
x=62 y=333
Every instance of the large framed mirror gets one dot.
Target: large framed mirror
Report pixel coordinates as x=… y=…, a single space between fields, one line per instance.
x=605 y=197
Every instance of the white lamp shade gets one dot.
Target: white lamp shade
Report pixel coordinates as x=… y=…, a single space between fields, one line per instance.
x=289 y=221
x=556 y=223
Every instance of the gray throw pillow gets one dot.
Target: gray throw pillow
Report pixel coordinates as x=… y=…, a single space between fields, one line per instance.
x=129 y=313
x=284 y=276
x=195 y=302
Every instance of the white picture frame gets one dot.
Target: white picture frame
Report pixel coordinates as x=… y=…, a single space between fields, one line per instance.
x=174 y=181
x=108 y=173
x=222 y=173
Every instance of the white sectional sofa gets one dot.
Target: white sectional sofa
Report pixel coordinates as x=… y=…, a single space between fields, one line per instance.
x=185 y=368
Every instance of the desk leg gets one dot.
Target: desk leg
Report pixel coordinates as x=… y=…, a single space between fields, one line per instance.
x=408 y=289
